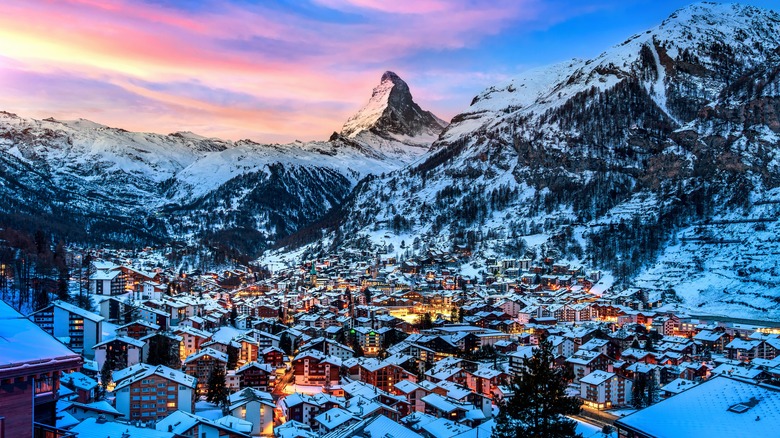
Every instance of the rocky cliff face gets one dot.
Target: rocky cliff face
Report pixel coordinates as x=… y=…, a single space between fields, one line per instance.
x=392 y=111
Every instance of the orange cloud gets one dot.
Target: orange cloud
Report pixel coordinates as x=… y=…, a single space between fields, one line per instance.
x=235 y=69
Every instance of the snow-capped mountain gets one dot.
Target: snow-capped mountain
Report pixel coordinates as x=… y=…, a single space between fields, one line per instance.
x=97 y=182
x=657 y=161
x=392 y=122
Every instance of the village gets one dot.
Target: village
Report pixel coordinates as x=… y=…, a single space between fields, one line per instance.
x=364 y=345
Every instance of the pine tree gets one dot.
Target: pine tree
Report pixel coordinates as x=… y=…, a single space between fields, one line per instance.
x=105 y=373
x=160 y=352
x=649 y=344
x=233 y=315
x=285 y=343
x=638 y=389
x=217 y=391
x=358 y=350
x=232 y=353
x=540 y=404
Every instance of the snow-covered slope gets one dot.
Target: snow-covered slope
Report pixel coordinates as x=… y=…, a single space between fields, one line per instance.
x=107 y=183
x=607 y=161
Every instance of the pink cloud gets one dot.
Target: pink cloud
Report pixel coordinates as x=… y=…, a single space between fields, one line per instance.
x=322 y=70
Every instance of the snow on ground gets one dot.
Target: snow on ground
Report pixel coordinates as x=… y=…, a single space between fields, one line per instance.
x=728 y=267
x=208 y=410
x=303 y=389
x=590 y=431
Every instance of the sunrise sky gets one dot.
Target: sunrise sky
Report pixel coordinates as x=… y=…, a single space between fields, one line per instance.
x=275 y=71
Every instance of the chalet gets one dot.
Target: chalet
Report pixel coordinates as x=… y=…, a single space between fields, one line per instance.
x=83 y=386
x=75 y=327
x=191 y=340
x=120 y=352
x=584 y=362
x=666 y=324
x=749 y=349
x=605 y=390
x=248 y=349
x=510 y=307
x=265 y=339
x=382 y=374
x=201 y=364
x=303 y=408
x=256 y=407
x=390 y=404
x=137 y=329
x=329 y=347
x=147 y=392
x=446 y=407
x=505 y=346
x=255 y=375
x=413 y=393
x=486 y=381
x=110 y=281
x=31 y=362
x=562 y=347
x=370 y=340
x=273 y=356
x=82 y=411
x=315 y=368
x=712 y=340
x=150 y=314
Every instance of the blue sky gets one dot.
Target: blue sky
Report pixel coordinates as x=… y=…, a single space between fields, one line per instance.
x=283 y=70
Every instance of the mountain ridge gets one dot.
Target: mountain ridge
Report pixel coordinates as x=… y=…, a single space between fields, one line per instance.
x=173 y=186
x=611 y=162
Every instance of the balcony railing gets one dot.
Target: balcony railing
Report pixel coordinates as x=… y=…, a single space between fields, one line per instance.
x=46 y=431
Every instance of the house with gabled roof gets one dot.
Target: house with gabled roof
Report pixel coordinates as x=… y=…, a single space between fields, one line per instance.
x=201 y=364
x=121 y=351
x=604 y=390
x=254 y=406
x=146 y=392
x=256 y=375
x=313 y=367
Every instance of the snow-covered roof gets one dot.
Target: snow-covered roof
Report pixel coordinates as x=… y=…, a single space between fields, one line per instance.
x=91 y=428
x=597 y=377
x=444 y=428
x=78 y=311
x=124 y=339
x=79 y=381
x=247 y=395
x=677 y=386
x=22 y=341
x=218 y=355
x=382 y=426
x=720 y=407
x=333 y=418
x=132 y=374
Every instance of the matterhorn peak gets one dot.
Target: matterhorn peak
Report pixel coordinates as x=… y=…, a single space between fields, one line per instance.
x=391 y=110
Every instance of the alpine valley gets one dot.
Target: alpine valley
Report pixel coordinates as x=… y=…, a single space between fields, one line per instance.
x=656 y=162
